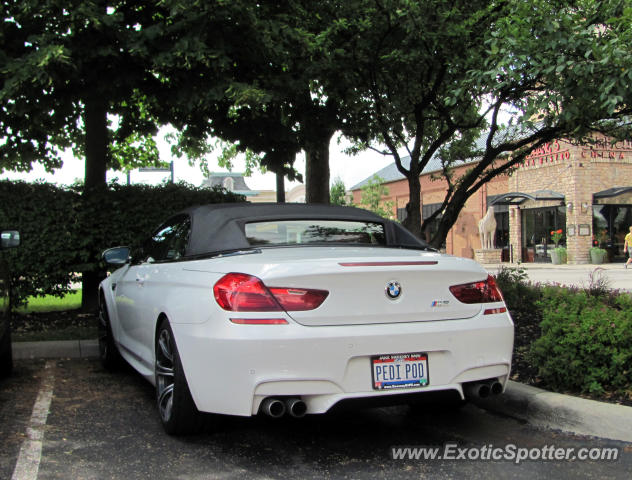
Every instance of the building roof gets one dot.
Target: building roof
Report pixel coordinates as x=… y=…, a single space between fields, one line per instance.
x=612 y=192
x=390 y=173
x=218 y=179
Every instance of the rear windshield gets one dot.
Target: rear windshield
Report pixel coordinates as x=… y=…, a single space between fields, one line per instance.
x=296 y=232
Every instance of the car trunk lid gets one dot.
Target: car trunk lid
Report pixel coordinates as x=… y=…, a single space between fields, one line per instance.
x=369 y=285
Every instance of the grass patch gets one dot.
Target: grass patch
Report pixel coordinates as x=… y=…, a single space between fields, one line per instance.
x=49 y=303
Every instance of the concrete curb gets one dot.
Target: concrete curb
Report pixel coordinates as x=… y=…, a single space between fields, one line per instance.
x=56 y=349
x=562 y=412
x=533 y=405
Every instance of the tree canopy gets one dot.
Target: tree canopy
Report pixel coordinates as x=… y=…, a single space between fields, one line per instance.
x=434 y=78
x=250 y=75
x=428 y=80
x=70 y=78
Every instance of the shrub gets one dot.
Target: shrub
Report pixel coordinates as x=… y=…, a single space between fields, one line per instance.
x=598 y=251
x=599 y=286
x=519 y=294
x=64 y=232
x=44 y=216
x=586 y=341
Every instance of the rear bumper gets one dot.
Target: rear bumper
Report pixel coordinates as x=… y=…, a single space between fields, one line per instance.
x=232 y=368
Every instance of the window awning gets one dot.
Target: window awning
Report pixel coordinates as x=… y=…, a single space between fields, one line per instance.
x=617 y=195
x=518 y=198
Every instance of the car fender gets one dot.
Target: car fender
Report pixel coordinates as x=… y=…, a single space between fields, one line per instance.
x=108 y=287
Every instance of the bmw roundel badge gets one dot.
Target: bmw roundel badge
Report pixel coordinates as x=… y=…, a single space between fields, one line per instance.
x=393 y=290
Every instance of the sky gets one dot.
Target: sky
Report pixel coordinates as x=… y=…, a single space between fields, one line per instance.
x=351 y=169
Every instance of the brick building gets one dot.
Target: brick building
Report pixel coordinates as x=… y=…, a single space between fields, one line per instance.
x=584 y=190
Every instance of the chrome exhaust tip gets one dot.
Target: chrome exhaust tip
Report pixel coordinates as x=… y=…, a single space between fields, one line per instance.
x=273 y=407
x=477 y=389
x=496 y=388
x=296 y=407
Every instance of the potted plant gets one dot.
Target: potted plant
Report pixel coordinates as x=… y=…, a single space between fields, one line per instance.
x=558 y=254
x=597 y=255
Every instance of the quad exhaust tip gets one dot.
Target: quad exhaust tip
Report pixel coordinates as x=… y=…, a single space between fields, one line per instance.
x=276 y=407
x=483 y=389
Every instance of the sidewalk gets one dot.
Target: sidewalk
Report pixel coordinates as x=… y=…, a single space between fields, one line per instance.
x=562 y=412
x=533 y=405
x=615 y=274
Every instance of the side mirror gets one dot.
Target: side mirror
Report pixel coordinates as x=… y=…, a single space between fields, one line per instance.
x=117 y=256
x=10 y=239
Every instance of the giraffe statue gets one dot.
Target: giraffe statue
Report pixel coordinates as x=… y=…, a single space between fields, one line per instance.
x=487 y=229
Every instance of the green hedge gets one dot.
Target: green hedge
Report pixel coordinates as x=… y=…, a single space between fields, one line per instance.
x=572 y=339
x=586 y=341
x=63 y=231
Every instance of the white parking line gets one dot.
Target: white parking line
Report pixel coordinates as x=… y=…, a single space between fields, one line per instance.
x=28 y=462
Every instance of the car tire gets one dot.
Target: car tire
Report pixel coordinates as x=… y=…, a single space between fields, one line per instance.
x=177 y=410
x=108 y=351
x=6 y=357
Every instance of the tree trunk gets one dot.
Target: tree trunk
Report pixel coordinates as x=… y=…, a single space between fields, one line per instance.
x=448 y=219
x=95 y=117
x=96 y=143
x=413 y=208
x=317 y=167
x=280 y=187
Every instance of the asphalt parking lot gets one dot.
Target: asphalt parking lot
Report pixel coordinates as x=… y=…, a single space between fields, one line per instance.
x=101 y=425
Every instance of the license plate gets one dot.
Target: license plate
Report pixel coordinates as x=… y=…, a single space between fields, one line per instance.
x=401 y=370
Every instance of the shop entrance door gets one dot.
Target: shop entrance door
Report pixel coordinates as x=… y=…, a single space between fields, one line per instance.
x=537 y=225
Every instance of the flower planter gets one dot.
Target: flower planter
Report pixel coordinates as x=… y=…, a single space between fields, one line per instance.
x=597 y=256
x=558 y=256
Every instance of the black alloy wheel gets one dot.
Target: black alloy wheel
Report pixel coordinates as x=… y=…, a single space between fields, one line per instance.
x=178 y=413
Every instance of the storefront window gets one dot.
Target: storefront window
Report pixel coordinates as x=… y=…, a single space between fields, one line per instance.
x=611 y=223
x=537 y=224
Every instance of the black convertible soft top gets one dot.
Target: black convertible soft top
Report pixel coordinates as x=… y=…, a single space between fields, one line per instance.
x=220 y=227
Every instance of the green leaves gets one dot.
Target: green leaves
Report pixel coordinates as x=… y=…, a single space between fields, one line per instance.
x=57 y=56
x=63 y=232
x=586 y=342
x=338 y=193
x=371 y=198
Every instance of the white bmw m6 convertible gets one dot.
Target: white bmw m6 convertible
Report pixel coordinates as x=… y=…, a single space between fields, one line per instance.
x=288 y=309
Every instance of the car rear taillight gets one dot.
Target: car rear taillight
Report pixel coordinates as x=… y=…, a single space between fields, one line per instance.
x=485 y=291
x=239 y=292
x=299 y=299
